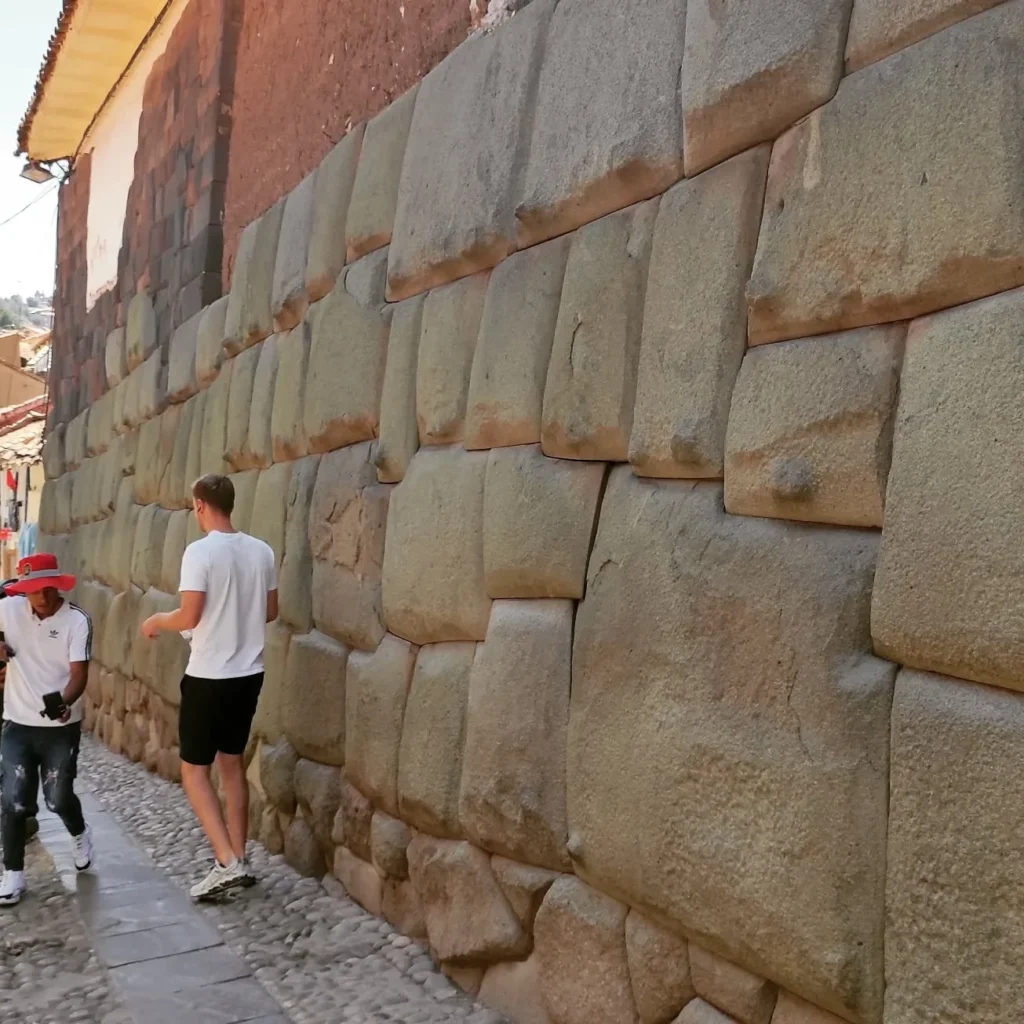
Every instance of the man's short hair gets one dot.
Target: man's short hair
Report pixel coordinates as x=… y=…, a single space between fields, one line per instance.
x=217 y=491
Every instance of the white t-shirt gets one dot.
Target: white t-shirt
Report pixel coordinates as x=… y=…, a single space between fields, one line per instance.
x=236 y=572
x=43 y=652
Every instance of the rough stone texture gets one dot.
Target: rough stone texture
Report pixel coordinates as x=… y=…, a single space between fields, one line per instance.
x=297 y=564
x=524 y=887
x=176 y=485
x=510 y=366
x=376 y=688
x=581 y=947
x=270 y=508
x=346 y=370
x=513 y=989
x=260 y=443
x=607 y=131
x=399 y=433
x=451 y=322
x=215 y=421
x=194 y=455
x=949 y=575
x=751 y=72
x=468 y=919
x=433 y=737
x=318 y=792
x=287 y=429
x=354 y=822
x=591 y=381
x=210 y=340
x=302 y=851
x=433 y=582
x=140 y=331
x=181 y=360
x=158 y=439
x=100 y=430
x=289 y=297
x=148 y=547
x=452 y=220
x=765 y=759
x=233 y=334
x=277 y=774
x=659 y=968
x=240 y=396
x=74 y=441
x=371 y=213
x=268 y=719
x=245 y=498
x=257 y=318
x=347 y=524
x=122 y=535
x=850 y=235
x=53 y=453
x=119 y=630
x=115 y=357
x=810 y=428
x=402 y=907
x=313 y=702
x=791 y=1009
x=366 y=280
x=331 y=196
x=361 y=880
x=694 y=333
x=879 y=29
x=512 y=799
x=739 y=993
x=955 y=758
x=175 y=537
x=699 y=1012
x=389 y=841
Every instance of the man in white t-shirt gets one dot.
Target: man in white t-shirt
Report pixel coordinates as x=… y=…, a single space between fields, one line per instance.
x=48 y=643
x=228 y=595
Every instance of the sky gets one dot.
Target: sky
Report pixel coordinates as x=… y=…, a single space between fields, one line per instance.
x=28 y=242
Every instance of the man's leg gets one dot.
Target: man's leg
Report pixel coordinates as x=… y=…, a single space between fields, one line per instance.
x=57 y=750
x=20 y=784
x=195 y=779
x=238 y=700
x=231 y=768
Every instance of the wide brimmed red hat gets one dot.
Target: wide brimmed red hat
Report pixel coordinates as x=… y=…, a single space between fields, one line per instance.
x=37 y=572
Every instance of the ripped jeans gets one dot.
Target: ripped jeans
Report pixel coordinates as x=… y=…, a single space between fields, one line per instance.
x=28 y=752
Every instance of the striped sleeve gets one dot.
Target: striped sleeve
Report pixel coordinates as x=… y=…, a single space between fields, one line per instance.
x=81 y=635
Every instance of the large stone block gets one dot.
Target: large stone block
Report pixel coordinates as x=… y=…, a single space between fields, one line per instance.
x=764 y=758
x=289 y=298
x=331 y=201
x=148 y=546
x=64 y=503
x=581 y=947
x=313 y=702
x=270 y=508
x=452 y=220
x=47 y=520
x=295 y=580
x=233 y=333
x=194 y=454
x=181 y=360
x=512 y=799
x=244 y=484
x=176 y=486
x=371 y=213
x=697 y=1011
x=851 y=235
x=810 y=428
x=140 y=331
x=287 y=427
x=954 y=929
x=513 y=989
x=790 y=1009
x=353 y=825
x=260 y=443
x=75 y=440
x=53 y=453
x=360 y=880
x=951 y=571
x=240 y=396
x=591 y=382
x=433 y=738
x=751 y=72
x=115 y=357
x=744 y=996
x=267 y=722
x=366 y=280
x=175 y=539
x=100 y=430
x=318 y=792
x=659 y=968
x=433 y=582
x=152 y=388
x=277 y=762
x=210 y=339
x=302 y=851
x=122 y=537
x=694 y=332
x=399 y=432
x=120 y=629
x=451 y=322
x=213 y=442
x=257 y=312
x=347 y=526
x=510 y=366
x=376 y=689
x=158 y=439
x=346 y=370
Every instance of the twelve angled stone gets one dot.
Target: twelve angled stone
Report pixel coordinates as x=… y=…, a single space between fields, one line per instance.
x=399 y=432
x=313 y=701
x=289 y=297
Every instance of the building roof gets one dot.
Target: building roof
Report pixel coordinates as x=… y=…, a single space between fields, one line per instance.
x=21 y=432
x=94 y=43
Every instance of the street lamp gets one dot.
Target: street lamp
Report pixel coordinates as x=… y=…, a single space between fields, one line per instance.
x=36 y=172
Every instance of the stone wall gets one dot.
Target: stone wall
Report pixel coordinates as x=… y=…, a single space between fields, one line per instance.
x=640 y=467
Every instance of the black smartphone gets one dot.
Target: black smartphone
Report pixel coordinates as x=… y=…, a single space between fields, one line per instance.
x=53 y=706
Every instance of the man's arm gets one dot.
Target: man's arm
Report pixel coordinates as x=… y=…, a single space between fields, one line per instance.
x=187 y=616
x=271 y=605
x=79 y=676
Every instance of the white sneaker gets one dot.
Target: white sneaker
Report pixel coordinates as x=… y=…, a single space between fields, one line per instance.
x=248 y=875
x=12 y=885
x=221 y=879
x=83 y=849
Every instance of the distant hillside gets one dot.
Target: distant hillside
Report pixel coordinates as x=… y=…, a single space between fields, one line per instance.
x=20 y=311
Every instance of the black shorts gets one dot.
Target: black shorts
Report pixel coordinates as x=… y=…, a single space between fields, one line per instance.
x=216 y=716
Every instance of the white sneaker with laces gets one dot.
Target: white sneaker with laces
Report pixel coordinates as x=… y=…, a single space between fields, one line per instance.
x=12 y=885
x=221 y=879
x=248 y=875
x=84 y=852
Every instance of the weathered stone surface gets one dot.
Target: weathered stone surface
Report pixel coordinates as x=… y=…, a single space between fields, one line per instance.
x=581 y=949
x=469 y=921
x=331 y=195
x=119 y=630
x=313 y=702
x=302 y=851
x=694 y=319
x=318 y=791
x=433 y=584
x=376 y=688
x=468 y=979
x=433 y=737
x=210 y=338
x=233 y=336
x=366 y=280
x=953 y=853
x=513 y=989
x=115 y=357
x=65 y=498
x=148 y=546
x=175 y=537
x=524 y=887
x=510 y=366
x=287 y=430
x=277 y=774
x=750 y=73
x=236 y=427
x=140 y=331
x=791 y=1009
x=659 y=967
x=158 y=439
x=730 y=988
x=949 y=579
x=215 y=421
x=389 y=840
x=346 y=370
x=100 y=430
x=451 y=322
x=361 y=880
x=347 y=524
x=244 y=484
x=129 y=401
x=181 y=360
x=850 y=235
x=289 y=298
x=538 y=522
x=699 y=1012
x=194 y=454
x=257 y=316
x=294 y=582
x=451 y=219
x=354 y=821
x=399 y=432
x=75 y=440
x=270 y=508
x=769 y=751
x=512 y=799
x=152 y=388
x=268 y=719
x=810 y=428
x=259 y=446
x=880 y=29
x=53 y=453
x=402 y=907
x=160 y=663
x=371 y=213
x=47 y=521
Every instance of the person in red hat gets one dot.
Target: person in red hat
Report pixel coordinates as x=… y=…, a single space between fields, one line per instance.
x=49 y=643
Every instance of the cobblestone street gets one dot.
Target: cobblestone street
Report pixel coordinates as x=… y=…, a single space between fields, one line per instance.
x=123 y=944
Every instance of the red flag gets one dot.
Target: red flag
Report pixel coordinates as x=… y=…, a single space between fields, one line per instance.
x=12 y=481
